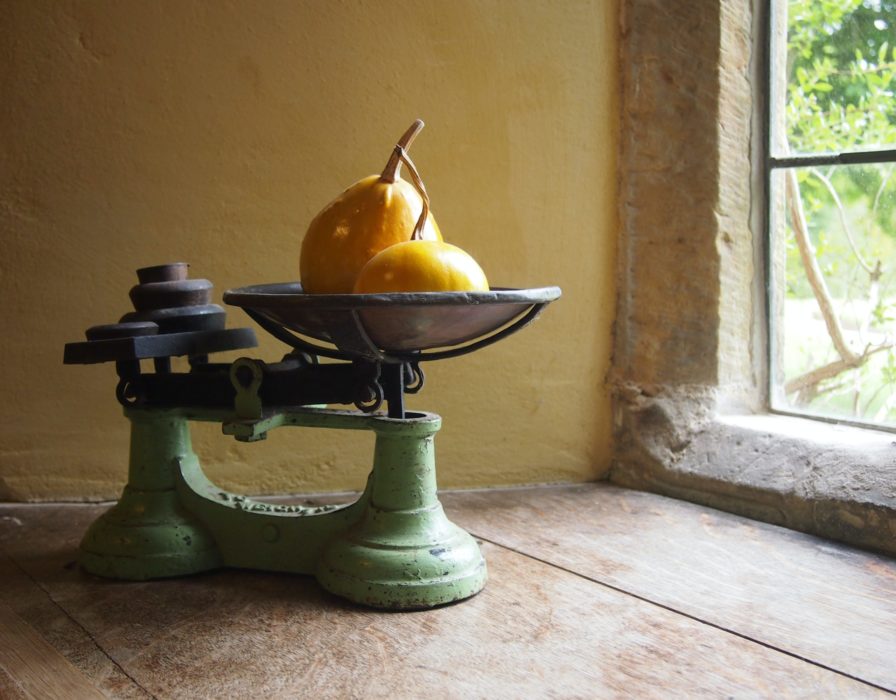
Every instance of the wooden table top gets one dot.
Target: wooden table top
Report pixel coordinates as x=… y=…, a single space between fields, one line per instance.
x=594 y=591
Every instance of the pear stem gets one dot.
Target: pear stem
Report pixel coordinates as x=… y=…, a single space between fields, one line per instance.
x=403 y=157
x=391 y=171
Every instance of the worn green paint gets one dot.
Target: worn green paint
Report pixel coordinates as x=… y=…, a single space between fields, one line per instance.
x=149 y=533
x=247 y=403
x=403 y=552
x=393 y=548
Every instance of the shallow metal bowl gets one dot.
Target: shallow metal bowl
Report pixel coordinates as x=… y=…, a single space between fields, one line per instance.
x=391 y=327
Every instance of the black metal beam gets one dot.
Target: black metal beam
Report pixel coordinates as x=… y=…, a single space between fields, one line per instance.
x=851 y=158
x=163 y=345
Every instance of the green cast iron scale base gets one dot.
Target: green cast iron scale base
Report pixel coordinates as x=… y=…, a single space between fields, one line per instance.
x=392 y=548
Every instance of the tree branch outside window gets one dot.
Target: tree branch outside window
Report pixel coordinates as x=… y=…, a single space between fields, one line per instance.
x=835 y=223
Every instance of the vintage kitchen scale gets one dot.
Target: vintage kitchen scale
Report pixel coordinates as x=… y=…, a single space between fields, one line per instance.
x=392 y=548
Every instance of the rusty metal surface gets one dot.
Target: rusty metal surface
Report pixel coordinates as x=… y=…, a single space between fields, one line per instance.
x=171 y=293
x=163 y=273
x=121 y=330
x=178 y=319
x=390 y=327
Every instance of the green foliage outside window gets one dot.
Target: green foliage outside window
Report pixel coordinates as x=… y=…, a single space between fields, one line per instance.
x=839 y=327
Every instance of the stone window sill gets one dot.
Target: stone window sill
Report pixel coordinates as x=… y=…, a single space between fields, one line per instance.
x=831 y=480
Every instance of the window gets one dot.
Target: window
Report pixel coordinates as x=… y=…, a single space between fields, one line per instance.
x=689 y=369
x=832 y=209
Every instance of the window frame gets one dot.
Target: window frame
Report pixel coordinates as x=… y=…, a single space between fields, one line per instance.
x=770 y=163
x=690 y=380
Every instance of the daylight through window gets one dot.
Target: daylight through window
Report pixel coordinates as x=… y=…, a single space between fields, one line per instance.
x=832 y=209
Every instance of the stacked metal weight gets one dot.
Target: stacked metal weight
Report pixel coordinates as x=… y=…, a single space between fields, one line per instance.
x=165 y=301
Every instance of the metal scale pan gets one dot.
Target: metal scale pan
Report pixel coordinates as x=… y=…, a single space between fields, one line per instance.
x=391 y=328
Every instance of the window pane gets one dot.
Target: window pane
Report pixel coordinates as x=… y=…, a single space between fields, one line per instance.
x=834 y=291
x=833 y=75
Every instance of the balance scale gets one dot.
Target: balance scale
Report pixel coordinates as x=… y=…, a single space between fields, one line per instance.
x=392 y=548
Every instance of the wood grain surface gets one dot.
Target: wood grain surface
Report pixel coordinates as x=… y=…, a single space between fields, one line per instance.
x=815 y=599
x=539 y=629
x=31 y=668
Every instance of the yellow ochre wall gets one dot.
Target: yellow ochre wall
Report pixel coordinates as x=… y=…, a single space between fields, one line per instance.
x=136 y=133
